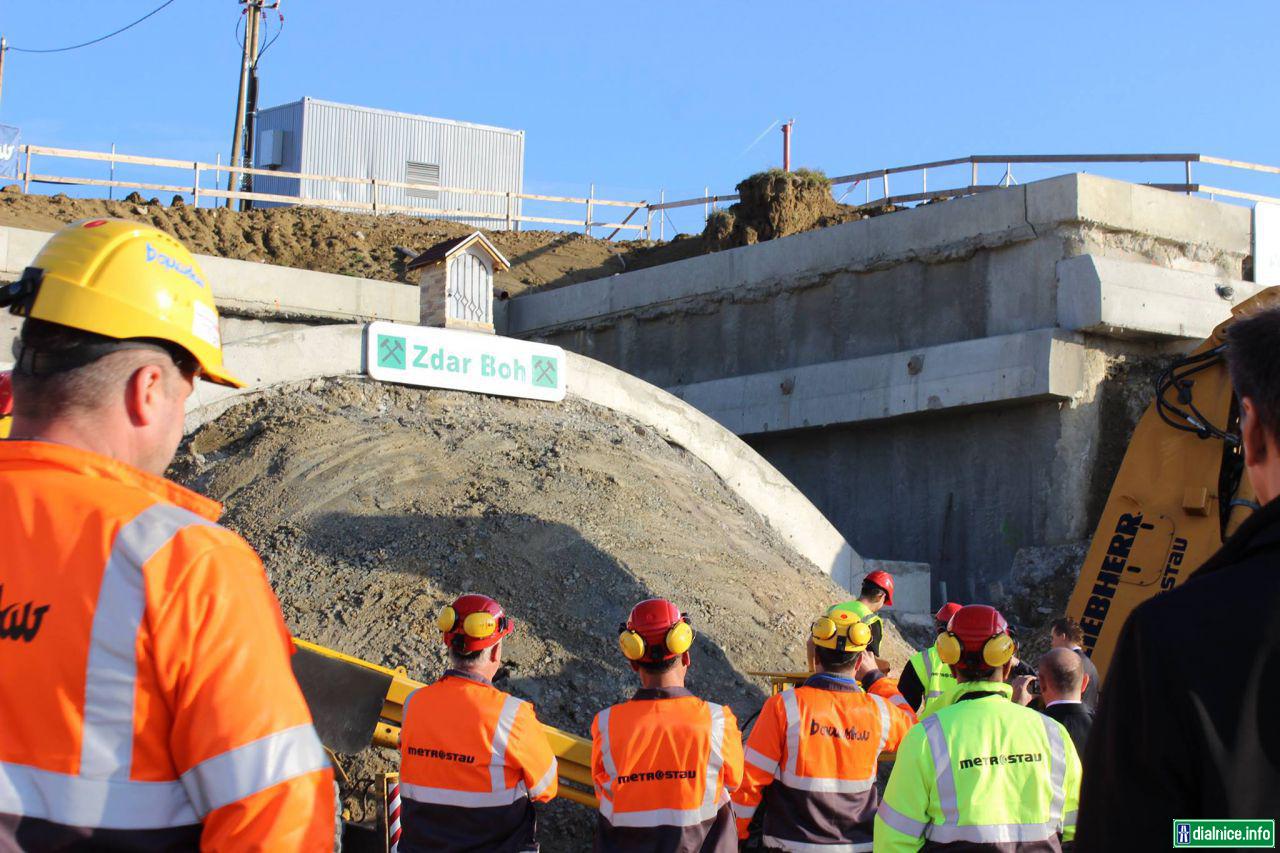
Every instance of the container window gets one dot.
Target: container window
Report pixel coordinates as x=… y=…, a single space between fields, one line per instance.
x=422 y=173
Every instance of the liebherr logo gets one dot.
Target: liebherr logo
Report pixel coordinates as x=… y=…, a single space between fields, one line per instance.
x=20 y=621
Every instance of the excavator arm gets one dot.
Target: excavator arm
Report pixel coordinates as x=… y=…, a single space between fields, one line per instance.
x=1179 y=493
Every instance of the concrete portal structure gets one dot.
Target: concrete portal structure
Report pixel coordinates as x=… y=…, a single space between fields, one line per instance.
x=949 y=384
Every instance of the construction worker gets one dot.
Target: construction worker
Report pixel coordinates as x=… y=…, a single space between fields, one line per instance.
x=147 y=700
x=664 y=763
x=6 y=402
x=473 y=759
x=877 y=592
x=982 y=772
x=927 y=679
x=813 y=754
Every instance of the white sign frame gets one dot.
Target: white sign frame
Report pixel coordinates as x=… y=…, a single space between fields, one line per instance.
x=432 y=357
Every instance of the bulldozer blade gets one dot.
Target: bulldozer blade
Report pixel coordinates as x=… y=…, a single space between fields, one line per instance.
x=345 y=699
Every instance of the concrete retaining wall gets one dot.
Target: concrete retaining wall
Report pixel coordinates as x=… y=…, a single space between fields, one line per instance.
x=948 y=384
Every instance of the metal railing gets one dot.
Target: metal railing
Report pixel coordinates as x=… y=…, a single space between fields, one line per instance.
x=512 y=215
x=195 y=169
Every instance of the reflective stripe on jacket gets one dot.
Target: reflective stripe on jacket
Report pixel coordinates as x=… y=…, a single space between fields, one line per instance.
x=471 y=760
x=935 y=677
x=664 y=765
x=147 y=698
x=812 y=758
x=983 y=771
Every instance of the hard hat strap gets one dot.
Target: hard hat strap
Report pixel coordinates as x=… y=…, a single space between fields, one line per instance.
x=30 y=361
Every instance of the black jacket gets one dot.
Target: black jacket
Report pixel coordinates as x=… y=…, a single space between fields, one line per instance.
x=1090 y=696
x=1187 y=724
x=1078 y=720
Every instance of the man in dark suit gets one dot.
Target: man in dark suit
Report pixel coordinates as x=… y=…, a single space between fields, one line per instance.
x=1066 y=634
x=1061 y=676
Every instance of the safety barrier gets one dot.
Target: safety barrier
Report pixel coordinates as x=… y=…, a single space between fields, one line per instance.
x=511 y=217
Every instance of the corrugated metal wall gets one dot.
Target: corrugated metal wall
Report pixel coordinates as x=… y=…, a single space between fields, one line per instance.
x=356 y=141
x=288 y=119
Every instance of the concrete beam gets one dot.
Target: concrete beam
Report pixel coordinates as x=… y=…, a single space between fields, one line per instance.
x=324 y=351
x=251 y=289
x=1041 y=365
x=1125 y=299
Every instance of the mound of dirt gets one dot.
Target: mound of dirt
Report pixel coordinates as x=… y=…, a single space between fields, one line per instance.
x=373 y=505
x=324 y=240
x=776 y=204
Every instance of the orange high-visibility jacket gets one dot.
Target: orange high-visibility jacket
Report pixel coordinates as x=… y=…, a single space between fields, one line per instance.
x=816 y=749
x=146 y=695
x=887 y=688
x=471 y=760
x=664 y=765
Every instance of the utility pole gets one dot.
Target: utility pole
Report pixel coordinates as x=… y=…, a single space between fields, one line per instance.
x=786 y=145
x=248 y=59
x=251 y=93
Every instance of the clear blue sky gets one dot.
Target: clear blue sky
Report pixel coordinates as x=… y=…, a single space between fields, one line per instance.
x=668 y=95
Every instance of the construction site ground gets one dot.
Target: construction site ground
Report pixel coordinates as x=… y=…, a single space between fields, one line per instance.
x=364 y=245
x=373 y=505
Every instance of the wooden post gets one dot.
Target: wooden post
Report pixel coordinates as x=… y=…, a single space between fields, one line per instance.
x=973 y=173
x=1188 y=165
x=648 y=222
x=885 y=178
x=373 y=190
x=586 y=226
x=195 y=185
x=662 y=215
x=26 y=175
x=924 y=180
x=511 y=212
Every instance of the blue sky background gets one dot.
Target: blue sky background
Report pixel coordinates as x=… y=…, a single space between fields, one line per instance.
x=668 y=95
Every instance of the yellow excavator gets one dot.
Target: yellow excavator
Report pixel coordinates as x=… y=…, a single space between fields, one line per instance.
x=1179 y=493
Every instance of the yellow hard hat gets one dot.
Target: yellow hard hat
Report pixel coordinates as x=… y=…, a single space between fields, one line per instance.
x=840 y=630
x=124 y=280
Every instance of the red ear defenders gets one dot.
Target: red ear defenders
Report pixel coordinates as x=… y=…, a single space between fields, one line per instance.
x=677 y=641
x=996 y=650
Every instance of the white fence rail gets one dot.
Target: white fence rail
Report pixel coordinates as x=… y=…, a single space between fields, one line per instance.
x=193 y=171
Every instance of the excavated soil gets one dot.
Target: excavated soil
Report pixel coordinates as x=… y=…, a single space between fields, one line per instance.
x=373 y=505
x=361 y=245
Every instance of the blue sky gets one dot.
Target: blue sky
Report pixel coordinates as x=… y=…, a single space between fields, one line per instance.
x=668 y=95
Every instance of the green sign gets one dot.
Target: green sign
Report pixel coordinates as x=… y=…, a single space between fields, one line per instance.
x=465 y=361
x=1224 y=833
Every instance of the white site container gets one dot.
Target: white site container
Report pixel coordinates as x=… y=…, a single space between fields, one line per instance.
x=324 y=138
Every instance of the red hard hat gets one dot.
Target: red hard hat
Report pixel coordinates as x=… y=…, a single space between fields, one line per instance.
x=6 y=393
x=977 y=638
x=473 y=622
x=884 y=580
x=655 y=630
x=946 y=611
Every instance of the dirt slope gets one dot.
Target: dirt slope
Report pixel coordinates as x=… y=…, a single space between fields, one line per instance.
x=323 y=240
x=373 y=505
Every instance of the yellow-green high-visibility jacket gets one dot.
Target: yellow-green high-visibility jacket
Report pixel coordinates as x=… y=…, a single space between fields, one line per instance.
x=983 y=770
x=866 y=616
x=936 y=678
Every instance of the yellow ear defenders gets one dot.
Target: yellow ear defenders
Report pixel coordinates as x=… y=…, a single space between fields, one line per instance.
x=677 y=641
x=996 y=651
x=840 y=630
x=478 y=625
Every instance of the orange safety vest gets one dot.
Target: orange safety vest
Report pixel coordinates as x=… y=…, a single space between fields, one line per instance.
x=472 y=759
x=664 y=765
x=147 y=699
x=816 y=748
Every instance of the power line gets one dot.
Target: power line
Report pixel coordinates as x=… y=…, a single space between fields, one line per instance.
x=93 y=41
